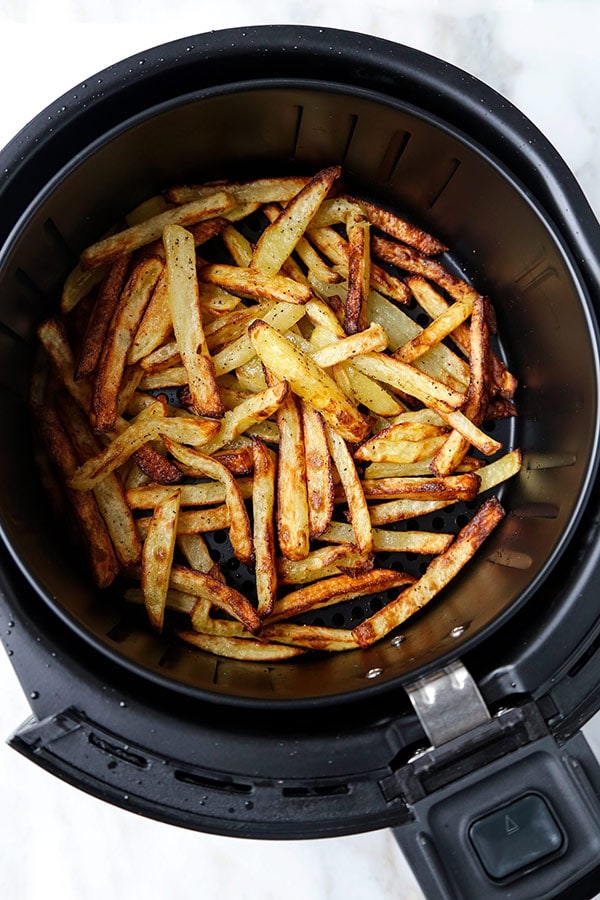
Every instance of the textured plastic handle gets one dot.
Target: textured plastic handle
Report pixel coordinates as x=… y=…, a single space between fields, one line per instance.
x=482 y=835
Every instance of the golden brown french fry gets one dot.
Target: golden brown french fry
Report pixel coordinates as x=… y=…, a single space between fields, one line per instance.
x=220 y=595
x=358 y=511
x=255 y=285
x=176 y=600
x=366 y=340
x=193 y=547
x=240 y=533
x=240 y=648
x=124 y=324
x=400 y=229
x=400 y=510
x=103 y=563
x=394 y=470
x=53 y=337
x=156 y=324
x=439 y=573
x=281 y=316
x=193 y=521
x=336 y=590
x=319 y=478
x=110 y=248
x=78 y=285
x=500 y=470
x=263 y=505
x=109 y=493
x=359 y=274
x=307 y=380
x=411 y=380
x=278 y=240
x=322 y=563
x=259 y=190
x=255 y=409
x=381 y=450
x=187 y=322
x=449 y=487
x=100 y=318
x=313 y=637
x=238 y=245
x=157 y=558
x=292 y=500
x=436 y=331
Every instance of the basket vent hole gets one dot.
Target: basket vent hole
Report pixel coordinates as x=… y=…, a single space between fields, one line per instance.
x=338 y=620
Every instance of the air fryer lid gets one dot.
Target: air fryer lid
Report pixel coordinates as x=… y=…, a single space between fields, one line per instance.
x=444 y=181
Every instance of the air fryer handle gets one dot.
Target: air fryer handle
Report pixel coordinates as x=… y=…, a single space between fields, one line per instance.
x=526 y=825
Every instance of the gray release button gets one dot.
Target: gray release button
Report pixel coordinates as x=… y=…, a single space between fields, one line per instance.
x=516 y=836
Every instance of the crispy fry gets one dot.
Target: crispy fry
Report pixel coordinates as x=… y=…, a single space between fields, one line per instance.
x=263 y=503
x=313 y=637
x=259 y=190
x=307 y=380
x=359 y=275
x=400 y=229
x=322 y=563
x=336 y=590
x=439 y=573
x=358 y=510
x=206 y=493
x=319 y=478
x=156 y=324
x=110 y=248
x=239 y=648
x=450 y=487
x=428 y=542
x=220 y=595
x=187 y=323
x=111 y=365
x=255 y=285
x=103 y=563
x=292 y=501
x=102 y=313
x=157 y=558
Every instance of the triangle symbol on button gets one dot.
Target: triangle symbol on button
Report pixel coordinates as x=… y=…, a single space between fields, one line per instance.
x=510 y=825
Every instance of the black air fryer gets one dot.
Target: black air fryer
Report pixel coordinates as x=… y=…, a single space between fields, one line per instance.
x=461 y=732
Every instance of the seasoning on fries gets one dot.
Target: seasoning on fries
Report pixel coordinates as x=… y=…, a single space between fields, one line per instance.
x=308 y=413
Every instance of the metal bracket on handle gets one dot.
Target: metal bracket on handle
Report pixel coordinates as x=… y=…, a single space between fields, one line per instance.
x=448 y=703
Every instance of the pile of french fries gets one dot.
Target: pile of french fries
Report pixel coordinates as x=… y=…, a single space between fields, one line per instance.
x=312 y=412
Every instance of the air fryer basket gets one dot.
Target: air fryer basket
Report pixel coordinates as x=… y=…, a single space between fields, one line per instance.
x=442 y=180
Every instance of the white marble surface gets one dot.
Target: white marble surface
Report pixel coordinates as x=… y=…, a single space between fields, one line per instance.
x=55 y=841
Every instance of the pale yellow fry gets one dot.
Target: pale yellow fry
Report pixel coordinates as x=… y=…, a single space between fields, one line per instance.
x=358 y=510
x=370 y=393
x=401 y=451
x=193 y=521
x=157 y=558
x=238 y=245
x=248 y=413
x=53 y=337
x=281 y=317
x=428 y=542
x=400 y=510
x=187 y=322
x=500 y=470
x=263 y=506
x=308 y=380
x=206 y=493
x=436 y=331
x=410 y=380
x=259 y=190
x=392 y=470
x=145 y=232
x=240 y=648
x=162 y=358
x=319 y=477
x=372 y=338
x=278 y=240
x=176 y=600
x=78 y=285
x=439 y=573
x=175 y=376
x=156 y=324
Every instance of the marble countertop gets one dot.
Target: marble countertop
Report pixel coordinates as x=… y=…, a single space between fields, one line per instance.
x=54 y=840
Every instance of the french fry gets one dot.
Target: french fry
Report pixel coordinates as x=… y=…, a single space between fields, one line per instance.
x=240 y=648
x=157 y=558
x=187 y=323
x=400 y=229
x=500 y=470
x=193 y=547
x=255 y=285
x=359 y=275
x=258 y=190
x=103 y=563
x=323 y=563
x=110 y=248
x=281 y=316
x=428 y=542
x=401 y=510
x=108 y=493
x=102 y=313
x=449 y=487
x=292 y=501
x=53 y=337
x=319 y=478
x=206 y=588
x=279 y=239
x=358 y=510
x=263 y=504
x=366 y=340
x=436 y=331
x=78 y=285
x=312 y=637
x=240 y=533
x=255 y=409
x=206 y=493
x=336 y=590
x=307 y=380
x=156 y=324
x=439 y=573
x=111 y=365
x=193 y=521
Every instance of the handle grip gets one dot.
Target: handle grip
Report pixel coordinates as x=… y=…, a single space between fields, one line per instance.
x=524 y=826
